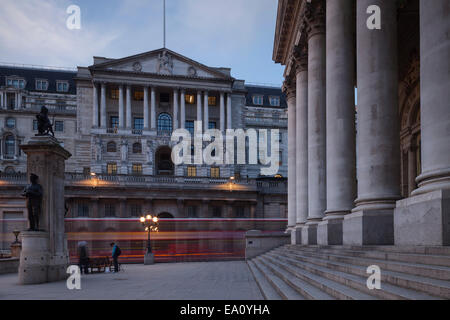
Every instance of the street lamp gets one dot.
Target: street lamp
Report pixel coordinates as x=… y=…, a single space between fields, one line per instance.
x=150 y=224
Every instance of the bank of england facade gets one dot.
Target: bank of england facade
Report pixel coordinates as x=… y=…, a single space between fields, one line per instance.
x=375 y=171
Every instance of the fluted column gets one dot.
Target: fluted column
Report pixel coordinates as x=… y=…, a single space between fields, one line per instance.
x=412 y=168
x=222 y=112
x=175 y=109
x=206 y=111
x=423 y=219
x=183 y=109
x=95 y=105
x=340 y=119
x=146 y=113
x=229 y=118
x=316 y=118
x=378 y=142
x=128 y=108
x=121 y=108
x=103 y=106
x=301 y=142
x=153 y=109
x=199 y=105
x=289 y=89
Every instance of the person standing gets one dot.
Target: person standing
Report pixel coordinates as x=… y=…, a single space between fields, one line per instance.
x=116 y=252
x=84 y=258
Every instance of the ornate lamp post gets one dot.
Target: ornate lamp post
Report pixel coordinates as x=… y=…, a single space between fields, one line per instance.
x=150 y=224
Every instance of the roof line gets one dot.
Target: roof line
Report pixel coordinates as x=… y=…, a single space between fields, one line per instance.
x=37 y=67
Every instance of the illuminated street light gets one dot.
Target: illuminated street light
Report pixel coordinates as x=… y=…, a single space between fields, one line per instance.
x=150 y=224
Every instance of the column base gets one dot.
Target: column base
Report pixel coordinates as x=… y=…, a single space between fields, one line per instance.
x=149 y=259
x=309 y=234
x=329 y=231
x=369 y=227
x=423 y=220
x=296 y=234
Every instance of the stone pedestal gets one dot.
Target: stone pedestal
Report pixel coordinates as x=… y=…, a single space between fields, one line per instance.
x=149 y=258
x=369 y=227
x=329 y=231
x=309 y=234
x=296 y=235
x=34 y=258
x=44 y=256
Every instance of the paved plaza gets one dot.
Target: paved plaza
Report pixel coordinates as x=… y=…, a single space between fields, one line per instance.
x=166 y=281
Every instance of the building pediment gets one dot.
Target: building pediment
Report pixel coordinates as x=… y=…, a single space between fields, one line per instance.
x=161 y=62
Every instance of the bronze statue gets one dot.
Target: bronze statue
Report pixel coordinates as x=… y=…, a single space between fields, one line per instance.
x=34 y=193
x=44 y=125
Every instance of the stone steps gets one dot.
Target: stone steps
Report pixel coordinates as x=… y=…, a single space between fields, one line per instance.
x=334 y=272
x=265 y=286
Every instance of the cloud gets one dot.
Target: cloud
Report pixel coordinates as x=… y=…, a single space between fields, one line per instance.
x=34 y=31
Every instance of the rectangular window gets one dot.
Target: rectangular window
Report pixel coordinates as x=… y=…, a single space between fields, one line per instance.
x=62 y=86
x=112 y=168
x=212 y=101
x=135 y=210
x=114 y=122
x=239 y=212
x=41 y=85
x=274 y=101
x=189 y=125
x=110 y=210
x=138 y=123
x=59 y=126
x=164 y=97
x=139 y=95
x=192 y=211
x=212 y=125
x=83 y=210
x=216 y=212
x=137 y=168
x=189 y=98
x=192 y=171
x=215 y=172
x=16 y=83
x=258 y=100
x=115 y=94
x=10 y=123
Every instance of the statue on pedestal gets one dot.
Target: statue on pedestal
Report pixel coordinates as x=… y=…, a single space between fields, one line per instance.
x=44 y=125
x=34 y=193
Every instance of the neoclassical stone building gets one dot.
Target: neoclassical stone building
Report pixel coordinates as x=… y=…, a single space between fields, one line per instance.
x=375 y=171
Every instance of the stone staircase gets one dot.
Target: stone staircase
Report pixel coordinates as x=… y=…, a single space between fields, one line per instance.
x=295 y=272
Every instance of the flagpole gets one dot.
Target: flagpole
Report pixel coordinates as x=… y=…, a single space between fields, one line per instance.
x=164 y=22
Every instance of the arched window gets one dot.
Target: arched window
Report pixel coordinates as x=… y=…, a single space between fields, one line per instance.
x=10 y=146
x=111 y=147
x=137 y=147
x=164 y=122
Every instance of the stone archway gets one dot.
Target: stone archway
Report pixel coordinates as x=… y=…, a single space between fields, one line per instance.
x=163 y=161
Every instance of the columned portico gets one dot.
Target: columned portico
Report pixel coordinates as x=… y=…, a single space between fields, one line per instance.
x=340 y=120
x=378 y=139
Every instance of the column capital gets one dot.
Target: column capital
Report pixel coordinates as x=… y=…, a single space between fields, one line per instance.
x=289 y=87
x=300 y=56
x=315 y=15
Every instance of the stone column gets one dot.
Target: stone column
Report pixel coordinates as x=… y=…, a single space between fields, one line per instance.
x=340 y=120
x=412 y=168
x=1 y=100
x=289 y=89
x=146 y=114
x=94 y=105
x=206 y=111
x=316 y=119
x=44 y=256
x=103 y=106
x=229 y=118
x=153 y=109
x=121 y=108
x=378 y=138
x=222 y=112
x=175 y=109
x=301 y=57
x=128 y=108
x=199 y=106
x=183 y=109
x=19 y=100
x=423 y=219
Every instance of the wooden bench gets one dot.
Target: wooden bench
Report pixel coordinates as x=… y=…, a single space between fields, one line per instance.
x=99 y=264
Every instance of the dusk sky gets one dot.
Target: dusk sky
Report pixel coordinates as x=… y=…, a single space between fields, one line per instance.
x=235 y=33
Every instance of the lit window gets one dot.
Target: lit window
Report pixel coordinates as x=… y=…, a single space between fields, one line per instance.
x=41 y=85
x=112 y=168
x=137 y=168
x=212 y=101
x=59 y=126
x=137 y=147
x=139 y=95
x=115 y=94
x=215 y=172
x=258 y=100
x=111 y=147
x=10 y=123
x=164 y=122
x=189 y=98
x=192 y=171
x=274 y=101
x=110 y=210
x=62 y=86
x=83 y=210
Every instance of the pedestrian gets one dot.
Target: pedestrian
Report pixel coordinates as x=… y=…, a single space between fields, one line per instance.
x=116 y=252
x=83 y=257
